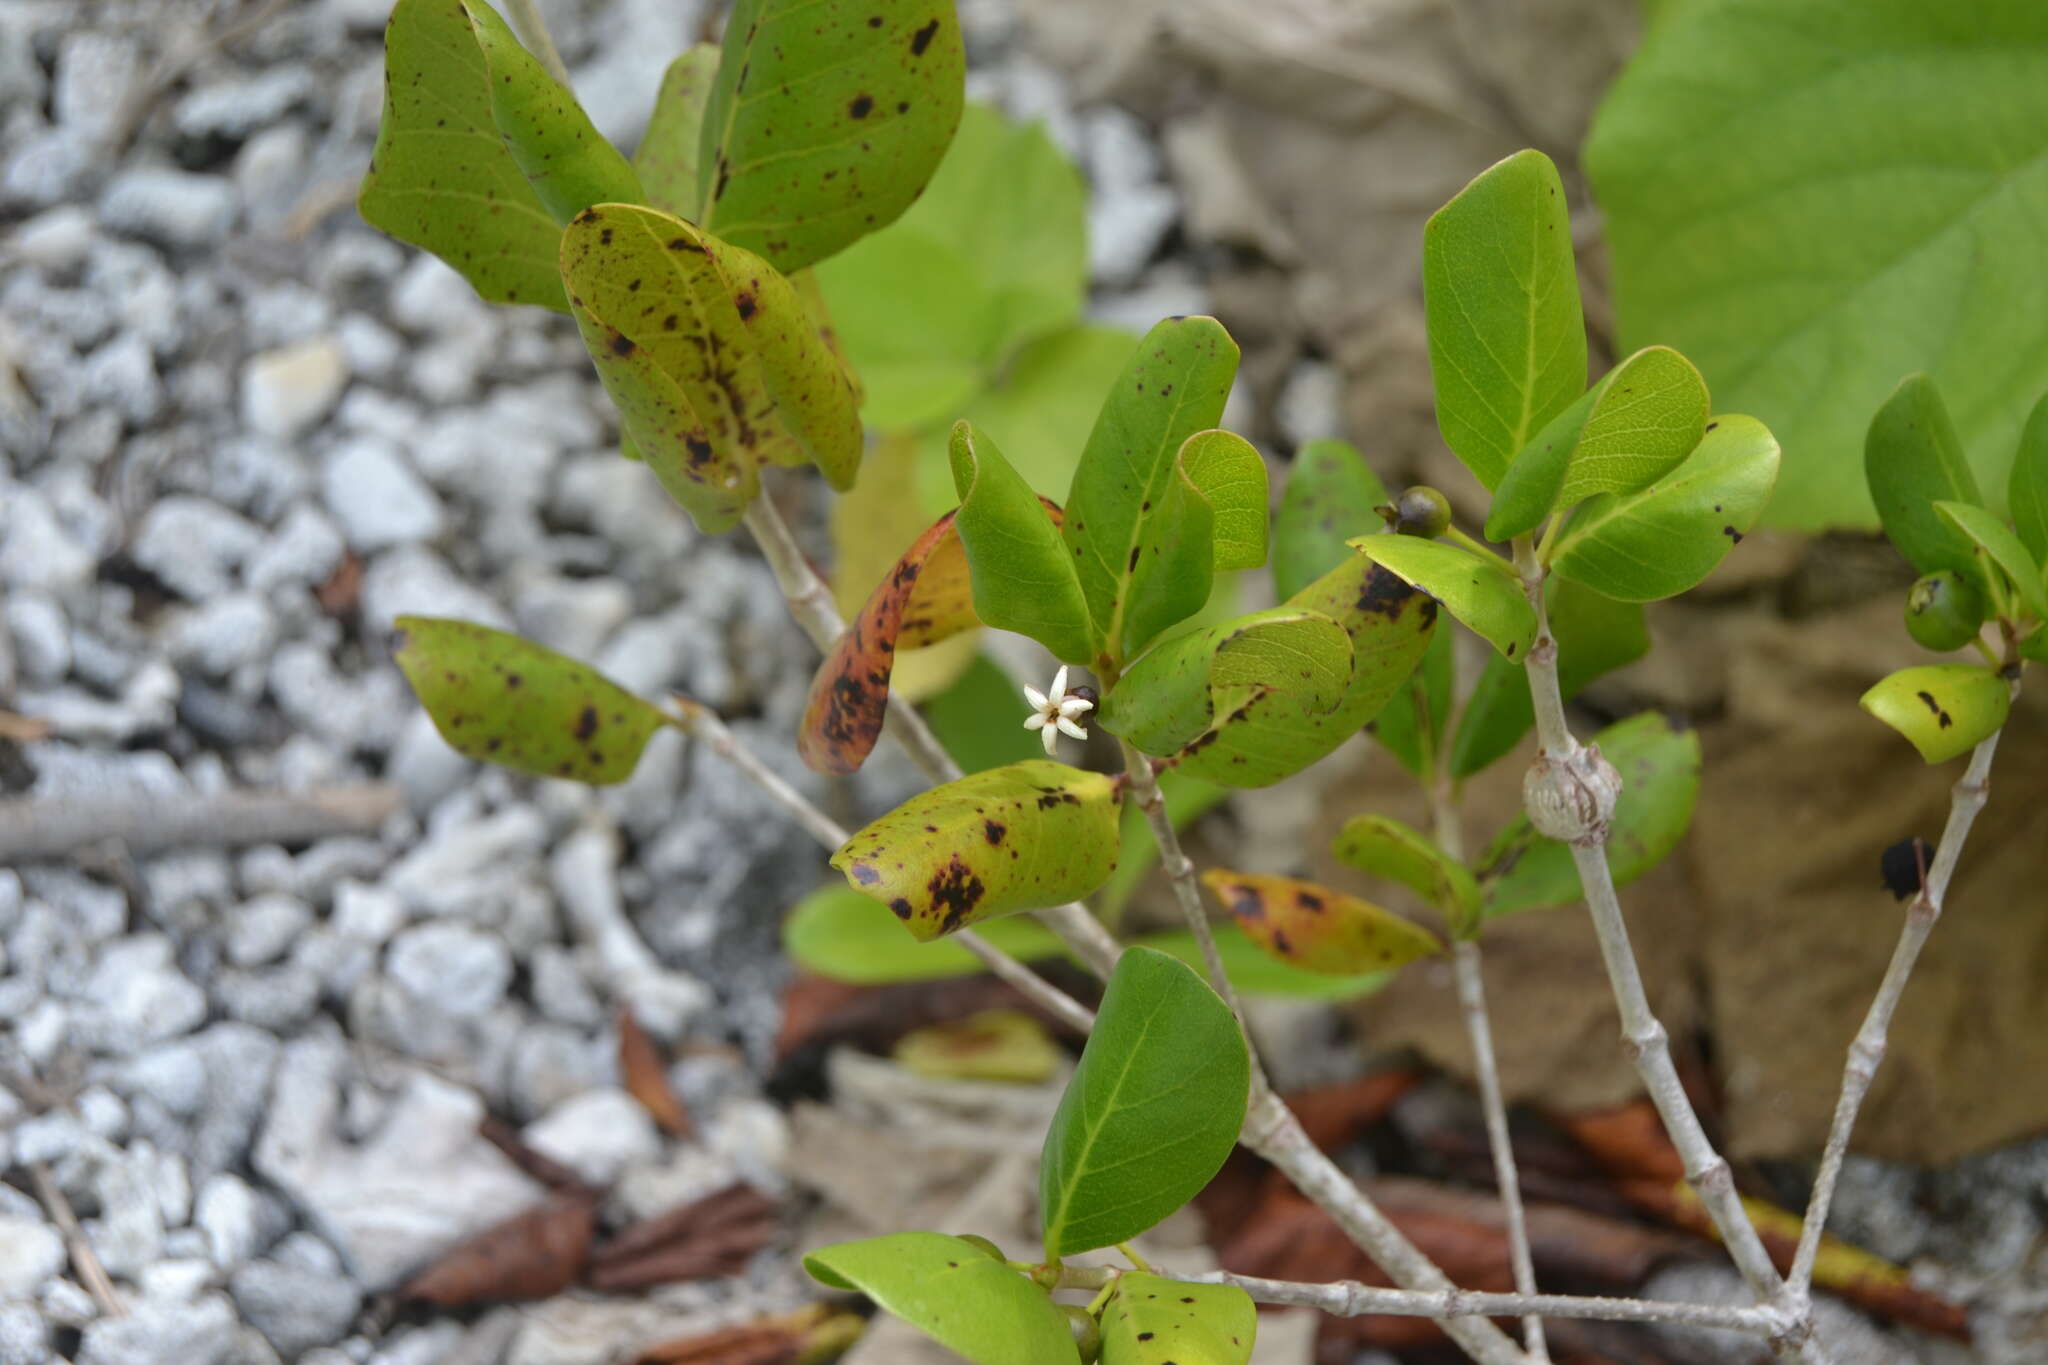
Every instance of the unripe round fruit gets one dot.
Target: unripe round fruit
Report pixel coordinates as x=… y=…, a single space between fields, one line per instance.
x=1944 y=611
x=1422 y=511
x=983 y=1245
x=1087 y=1335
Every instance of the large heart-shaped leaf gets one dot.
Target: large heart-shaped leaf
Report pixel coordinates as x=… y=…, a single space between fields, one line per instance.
x=1660 y=783
x=1657 y=543
x=2026 y=491
x=1997 y=540
x=1312 y=927
x=1330 y=496
x=1811 y=197
x=506 y=700
x=1128 y=511
x=1633 y=427
x=1154 y=1321
x=826 y=120
x=1483 y=594
x=1595 y=635
x=715 y=364
x=1381 y=846
x=1021 y=837
x=1943 y=709
x=1024 y=579
x=953 y=1292
x=441 y=176
x=1913 y=459
x=1507 y=342
x=1151 y=1112
x=666 y=159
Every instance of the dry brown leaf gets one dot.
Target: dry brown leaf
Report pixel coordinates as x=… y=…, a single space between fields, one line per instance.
x=808 y=1336
x=646 y=1077
x=535 y=1163
x=712 y=1237
x=528 y=1256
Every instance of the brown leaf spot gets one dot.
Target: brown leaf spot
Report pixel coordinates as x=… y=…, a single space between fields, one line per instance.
x=922 y=39
x=865 y=875
x=902 y=908
x=622 y=344
x=993 y=832
x=1383 y=593
x=862 y=106
x=1309 y=901
x=955 y=891
x=1732 y=534
x=745 y=303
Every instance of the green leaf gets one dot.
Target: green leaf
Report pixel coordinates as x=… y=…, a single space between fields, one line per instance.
x=714 y=363
x=1254 y=971
x=826 y=121
x=1151 y=1112
x=1381 y=846
x=1996 y=539
x=1660 y=783
x=993 y=254
x=837 y=932
x=509 y=701
x=1122 y=509
x=1811 y=198
x=666 y=160
x=1485 y=597
x=1662 y=540
x=1023 y=577
x=2027 y=490
x=1411 y=728
x=567 y=161
x=1154 y=1321
x=1595 y=635
x=441 y=177
x=1231 y=476
x=953 y=1292
x=1329 y=498
x=1913 y=459
x=1191 y=684
x=1507 y=342
x=1633 y=427
x=1943 y=709
x=1312 y=927
x=1022 y=837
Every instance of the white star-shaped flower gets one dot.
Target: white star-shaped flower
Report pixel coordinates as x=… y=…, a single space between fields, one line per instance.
x=1054 y=713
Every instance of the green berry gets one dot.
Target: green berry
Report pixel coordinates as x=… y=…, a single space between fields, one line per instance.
x=983 y=1245
x=1422 y=511
x=1944 y=611
x=1087 y=1335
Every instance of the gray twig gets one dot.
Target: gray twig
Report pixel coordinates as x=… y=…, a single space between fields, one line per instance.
x=146 y=821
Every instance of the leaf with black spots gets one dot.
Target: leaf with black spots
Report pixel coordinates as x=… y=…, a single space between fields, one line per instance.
x=1484 y=595
x=1310 y=926
x=1943 y=709
x=1155 y=1321
x=1381 y=846
x=1021 y=837
x=509 y=701
x=666 y=159
x=954 y=1293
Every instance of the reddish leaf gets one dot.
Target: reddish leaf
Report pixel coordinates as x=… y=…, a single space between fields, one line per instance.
x=646 y=1077
x=926 y=598
x=529 y=1256
x=713 y=1237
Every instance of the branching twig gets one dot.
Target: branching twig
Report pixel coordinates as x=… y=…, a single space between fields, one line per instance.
x=1350 y=1299
x=1180 y=872
x=1642 y=1034
x=83 y=1259
x=1867 y=1051
x=144 y=821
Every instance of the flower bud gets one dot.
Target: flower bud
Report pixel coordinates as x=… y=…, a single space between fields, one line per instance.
x=1571 y=799
x=1087 y=1335
x=1944 y=611
x=1422 y=511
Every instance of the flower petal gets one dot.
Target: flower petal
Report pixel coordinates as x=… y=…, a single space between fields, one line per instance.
x=1066 y=726
x=1075 y=706
x=1052 y=740
x=1036 y=698
x=1036 y=720
x=1059 y=682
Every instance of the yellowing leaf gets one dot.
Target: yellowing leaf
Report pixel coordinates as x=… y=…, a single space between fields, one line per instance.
x=992 y=1045
x=1313 y=927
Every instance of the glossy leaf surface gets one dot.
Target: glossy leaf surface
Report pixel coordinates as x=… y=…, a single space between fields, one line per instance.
x=1485 y=597
x=1329 y=499
x=1193 y=682
x=1317 y=929
x=1997 y=540
x=1507 y=342
x=1810 y=199
x=1660 y=784
x=826 y=120
x=1020 y=837
x=666 y=160
x=1657 y=543
x=1152 y=1110
x=1023 y=577
x=1595 y=635
x=509 y=701
x=441 y=177
x=1154 y=1321
x=1944 y=710
x=1632 y=428
x=1381 y=846
x=954 y=1293
x=1231 y=474
x=1913 y=459
x=1120 y=511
